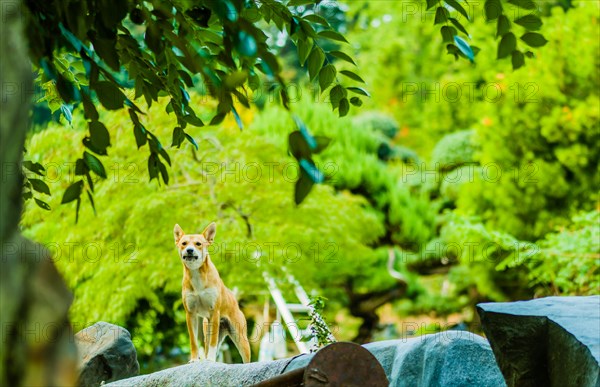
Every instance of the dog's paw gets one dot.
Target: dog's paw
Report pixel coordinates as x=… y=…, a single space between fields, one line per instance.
x=194 y=361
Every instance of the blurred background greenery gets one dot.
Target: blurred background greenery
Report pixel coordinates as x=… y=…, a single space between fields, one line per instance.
x=483 y=179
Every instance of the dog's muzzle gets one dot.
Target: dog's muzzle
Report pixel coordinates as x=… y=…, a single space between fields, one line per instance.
x=190 y=257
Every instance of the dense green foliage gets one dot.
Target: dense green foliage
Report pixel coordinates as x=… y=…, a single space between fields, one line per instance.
x=113 y=54
x=90 y=52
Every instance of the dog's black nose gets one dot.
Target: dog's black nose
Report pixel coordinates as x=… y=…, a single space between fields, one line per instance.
x=190 y=250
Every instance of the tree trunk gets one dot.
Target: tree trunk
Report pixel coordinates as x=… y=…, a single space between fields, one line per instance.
x=364 y=306
x=37 y=346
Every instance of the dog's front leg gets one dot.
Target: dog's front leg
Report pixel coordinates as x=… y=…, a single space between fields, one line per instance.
x=211 y=339
x=192 y=324
x=205 y=336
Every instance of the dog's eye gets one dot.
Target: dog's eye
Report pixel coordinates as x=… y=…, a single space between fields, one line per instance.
x=183 y=243
x=198 y=244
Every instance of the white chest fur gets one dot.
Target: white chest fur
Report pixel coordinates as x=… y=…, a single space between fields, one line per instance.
x=200 y=300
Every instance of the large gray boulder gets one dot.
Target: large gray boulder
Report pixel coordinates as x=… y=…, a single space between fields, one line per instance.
x=207 y=374
x=553 y=341
x=105 y=353
x=450 y=358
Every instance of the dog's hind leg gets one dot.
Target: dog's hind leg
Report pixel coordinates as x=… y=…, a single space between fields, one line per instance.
x=237 y=328
x=224 y=331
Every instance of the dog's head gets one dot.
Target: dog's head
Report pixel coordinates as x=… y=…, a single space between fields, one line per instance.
x=193 y=248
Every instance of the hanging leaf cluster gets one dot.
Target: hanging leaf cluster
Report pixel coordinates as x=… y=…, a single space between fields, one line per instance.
x=449 y=13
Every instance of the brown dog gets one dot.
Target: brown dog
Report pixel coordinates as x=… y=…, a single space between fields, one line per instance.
x=205 y=296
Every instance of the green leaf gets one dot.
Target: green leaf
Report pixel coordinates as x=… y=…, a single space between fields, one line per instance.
x=530 y=22
x=344 y=107
x=106 y=49
x=336 y=94
x=91 y=198
x=332 y=35
x=448 y=33
x=533 y=39
x=163 y=172
x=89 y=110
x=507 y=45
x=238 y=120
x=327 y=76
x=453 y=50
x=456 y=5
x=36 y=168
x=295 y=3
x=75 y=42
x=294 y=25
x=304 y=47
x=94 y=164
x=88 y=177
x=225 y=10
x=303 y=187
x=77 y=206
x=140 y=135
x=352 y=75
x=99 y=135
x=191 y=140
x=343 y=56
x=322 y=143
x=187 y=79
x=110 y=96
x=73 y=192
x=464 y=47
x=493 y=9
x=285 y=98
x=87 y=142
x=356 y=101
x=503 y=25
x=312 y=171
x=178 y=137
x=153 y=162
x=310 y=140
x=431 y=3
x=307 y=28
x=246 y=44
x=525 y=4
x=441 y=15
x=359 y=90
x=65 y=89
x=314 y=18
x=153 y=38
x=298 y=146
x=315 y=62
x=66 y=112
x=459 y=26
x=518 y=59
x=217 y=119
x=81 y=167
x=192 y=119
x=42 y=204
x=40 y=186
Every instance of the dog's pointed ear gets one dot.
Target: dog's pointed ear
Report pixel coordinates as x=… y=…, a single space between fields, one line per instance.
x=209 y=232
x=177 y=233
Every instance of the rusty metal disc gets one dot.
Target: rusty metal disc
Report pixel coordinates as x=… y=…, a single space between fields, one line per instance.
x=344 y=364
